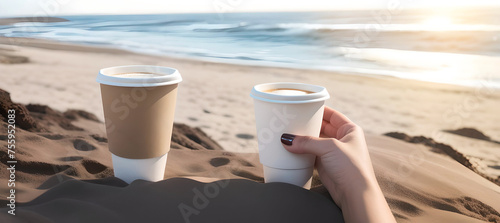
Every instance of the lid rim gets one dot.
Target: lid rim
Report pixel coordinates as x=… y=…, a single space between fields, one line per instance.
x=167 y=76
x=320 y=93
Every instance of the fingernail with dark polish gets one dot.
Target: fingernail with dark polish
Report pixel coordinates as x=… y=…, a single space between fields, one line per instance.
x=287 y=139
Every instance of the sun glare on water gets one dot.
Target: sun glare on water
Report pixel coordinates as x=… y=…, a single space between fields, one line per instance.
x=437 y=23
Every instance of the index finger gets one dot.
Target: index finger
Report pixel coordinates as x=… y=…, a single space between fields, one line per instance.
x=334 y=117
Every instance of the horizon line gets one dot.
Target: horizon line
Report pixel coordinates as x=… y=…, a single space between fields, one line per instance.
x=262 y=11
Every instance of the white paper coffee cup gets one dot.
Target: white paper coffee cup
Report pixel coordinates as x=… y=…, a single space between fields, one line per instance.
x=139 y=104
x=275 y=114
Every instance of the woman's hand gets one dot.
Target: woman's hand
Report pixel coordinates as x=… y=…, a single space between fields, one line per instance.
x=344 y=167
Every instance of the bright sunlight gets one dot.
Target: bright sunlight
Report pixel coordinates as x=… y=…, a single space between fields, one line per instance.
x=438 y=23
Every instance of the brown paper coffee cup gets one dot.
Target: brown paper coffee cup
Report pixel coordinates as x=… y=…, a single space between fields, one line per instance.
x=139 y=110
x=142 y=128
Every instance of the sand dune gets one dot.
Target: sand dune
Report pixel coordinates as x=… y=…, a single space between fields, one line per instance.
x=112 y=200
x=472 y=133
x=446 y=149
x=423 y=186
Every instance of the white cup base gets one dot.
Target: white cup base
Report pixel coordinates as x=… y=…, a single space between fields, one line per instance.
x=299 y=177
x=151 y=169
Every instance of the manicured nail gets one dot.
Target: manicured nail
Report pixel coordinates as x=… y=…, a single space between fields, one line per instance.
x=287 y=139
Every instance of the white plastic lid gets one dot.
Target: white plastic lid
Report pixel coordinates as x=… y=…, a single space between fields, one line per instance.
x=319 y=93
x=160 y=76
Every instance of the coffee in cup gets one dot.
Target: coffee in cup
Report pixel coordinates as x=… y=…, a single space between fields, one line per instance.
x=288 y=91
x=139 y=104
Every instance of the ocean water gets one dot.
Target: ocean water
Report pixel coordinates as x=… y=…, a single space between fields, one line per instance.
x=453 y=46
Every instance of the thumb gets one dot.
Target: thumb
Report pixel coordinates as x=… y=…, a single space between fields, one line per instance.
x=307 y=144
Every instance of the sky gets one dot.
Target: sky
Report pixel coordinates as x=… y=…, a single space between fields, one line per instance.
x=9 y=8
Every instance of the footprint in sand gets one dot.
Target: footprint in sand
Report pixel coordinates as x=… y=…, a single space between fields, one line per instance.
x=219 y=161
x=40 y=168
x=83 y=145
x=70 y=158
x=52 y=136
x=246 y=174
x=405 y=207
x=33 y=167
x=99 y=138
x=246 y=163
x=244 y=136
x=195 y=168
x=477 y=207
x=92 y=166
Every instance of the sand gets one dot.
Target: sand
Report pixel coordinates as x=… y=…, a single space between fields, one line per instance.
x=420 y=184
x=215 y=96
x=62 y=161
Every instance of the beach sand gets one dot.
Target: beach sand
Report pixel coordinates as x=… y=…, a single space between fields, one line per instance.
x=215 y=96
x=421 y=185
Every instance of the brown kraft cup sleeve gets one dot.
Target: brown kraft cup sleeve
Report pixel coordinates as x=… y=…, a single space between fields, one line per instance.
x=139 y=120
